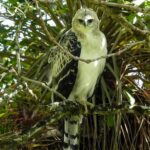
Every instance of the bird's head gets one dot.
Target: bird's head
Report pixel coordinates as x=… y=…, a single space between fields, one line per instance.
x=85 y=20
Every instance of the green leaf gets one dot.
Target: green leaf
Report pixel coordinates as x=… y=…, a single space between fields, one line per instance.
x=130 y=98
x=110 y=120
x=2 y=114
x=13 y=1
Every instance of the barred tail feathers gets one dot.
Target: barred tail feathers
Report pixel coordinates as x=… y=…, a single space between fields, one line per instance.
x=71 y=135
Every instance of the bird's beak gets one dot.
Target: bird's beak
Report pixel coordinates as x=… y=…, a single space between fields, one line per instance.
x=85 y=22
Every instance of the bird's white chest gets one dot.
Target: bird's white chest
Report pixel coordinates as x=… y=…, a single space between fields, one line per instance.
x=88 y=73
x=91 y=49
x=89 y=52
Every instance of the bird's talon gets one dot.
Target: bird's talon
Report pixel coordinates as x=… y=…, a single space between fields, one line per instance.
x=84 y=104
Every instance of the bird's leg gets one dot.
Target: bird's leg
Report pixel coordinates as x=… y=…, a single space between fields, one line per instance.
x=90 y=104
x=85 y=104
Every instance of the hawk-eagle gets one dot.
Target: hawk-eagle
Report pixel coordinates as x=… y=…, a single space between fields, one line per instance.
x=76 y=80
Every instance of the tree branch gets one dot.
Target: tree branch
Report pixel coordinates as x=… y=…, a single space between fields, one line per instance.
x=9 y=55
x=124 y=6
x=61 y=110
x=123 y=21
x=45 y=86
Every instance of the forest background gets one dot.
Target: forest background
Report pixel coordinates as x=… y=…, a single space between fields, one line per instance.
x=120 y=119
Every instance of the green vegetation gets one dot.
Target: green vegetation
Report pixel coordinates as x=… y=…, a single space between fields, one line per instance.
x=29 y=120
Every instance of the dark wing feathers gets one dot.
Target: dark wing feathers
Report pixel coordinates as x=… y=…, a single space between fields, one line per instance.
x=67 y=67
x=58 y=69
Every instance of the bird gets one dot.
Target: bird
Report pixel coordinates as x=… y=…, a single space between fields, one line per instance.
x=76 y=79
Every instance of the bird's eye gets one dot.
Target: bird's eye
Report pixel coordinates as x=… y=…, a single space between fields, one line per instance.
x=90 y=21
x=81 y=21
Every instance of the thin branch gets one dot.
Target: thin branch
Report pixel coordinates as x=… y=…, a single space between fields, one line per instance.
x=18 y=52
x=134 y=28
x=124 y=6
x=3 y=68
x=42 y=84
x=61 y=110
x=128 y=47
x=68 y=106
x=45 y=86
x=9 y=70
x=9 y=55
x=123 y=21
x=54 y=17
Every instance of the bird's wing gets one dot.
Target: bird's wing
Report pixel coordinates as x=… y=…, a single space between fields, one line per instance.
x=57 y=68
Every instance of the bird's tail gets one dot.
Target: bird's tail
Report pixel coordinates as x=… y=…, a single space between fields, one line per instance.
x=71 y=133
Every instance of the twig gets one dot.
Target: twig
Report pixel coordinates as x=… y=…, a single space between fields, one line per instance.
x=112 y=54
x=9 y=55
x=45 y=86
x=8 y=70
x=123 y=21
x=12 y=70
x=16 y=39
x=3 y=68
x=102 y=57
x=124 y=6
x=18 y=46
x=134 y=28
x=76 y=58
x=100 y=109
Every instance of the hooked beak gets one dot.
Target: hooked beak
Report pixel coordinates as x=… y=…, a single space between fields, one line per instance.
x=83 y=22
x=86 y=21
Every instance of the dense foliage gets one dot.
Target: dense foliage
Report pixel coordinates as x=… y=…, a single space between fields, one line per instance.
x=29 y=120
